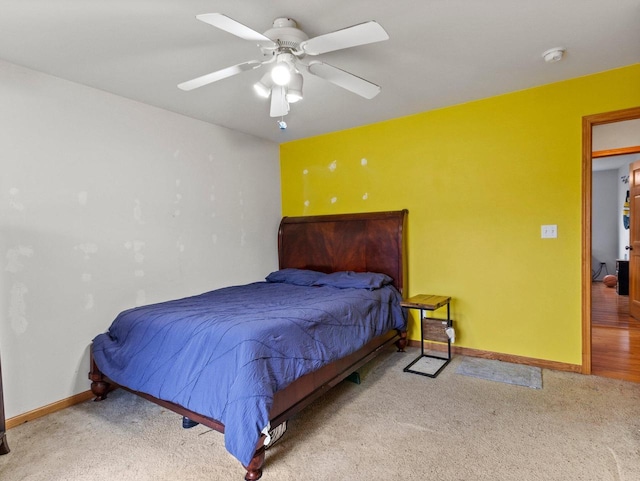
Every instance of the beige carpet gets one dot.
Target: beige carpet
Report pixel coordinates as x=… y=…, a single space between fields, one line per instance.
x=394 y=425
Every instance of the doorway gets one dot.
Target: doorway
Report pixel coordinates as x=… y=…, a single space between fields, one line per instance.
x=615 y=338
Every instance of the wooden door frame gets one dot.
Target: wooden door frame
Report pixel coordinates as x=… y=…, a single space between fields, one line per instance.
x=588 y=122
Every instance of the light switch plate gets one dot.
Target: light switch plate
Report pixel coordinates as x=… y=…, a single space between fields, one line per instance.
x=549 y=231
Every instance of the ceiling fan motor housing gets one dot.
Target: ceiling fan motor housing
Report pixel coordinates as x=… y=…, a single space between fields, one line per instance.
x=286 y=34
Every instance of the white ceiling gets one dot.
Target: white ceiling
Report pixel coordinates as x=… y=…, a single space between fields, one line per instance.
x=440 y=52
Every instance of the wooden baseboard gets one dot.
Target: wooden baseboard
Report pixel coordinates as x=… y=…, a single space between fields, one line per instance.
x=529 y=361
x=463 y=351
x=48 y=409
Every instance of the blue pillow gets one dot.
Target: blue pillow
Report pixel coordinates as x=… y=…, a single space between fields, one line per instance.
x=357 y=280
x=298 y=277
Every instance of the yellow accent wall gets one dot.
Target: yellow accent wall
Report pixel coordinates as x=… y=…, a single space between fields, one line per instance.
x=479 y=179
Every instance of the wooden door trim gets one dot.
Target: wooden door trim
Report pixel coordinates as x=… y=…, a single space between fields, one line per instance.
x=612 y=152
x=587 y=155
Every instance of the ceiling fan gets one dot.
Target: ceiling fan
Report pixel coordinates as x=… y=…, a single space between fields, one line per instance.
x=286 y=45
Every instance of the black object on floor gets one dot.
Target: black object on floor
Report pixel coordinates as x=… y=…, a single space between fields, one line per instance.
x=188 y=423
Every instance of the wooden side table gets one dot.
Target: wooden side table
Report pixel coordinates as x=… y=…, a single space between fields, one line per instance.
x=431 y=329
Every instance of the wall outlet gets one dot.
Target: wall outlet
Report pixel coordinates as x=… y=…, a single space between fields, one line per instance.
x=549 y=231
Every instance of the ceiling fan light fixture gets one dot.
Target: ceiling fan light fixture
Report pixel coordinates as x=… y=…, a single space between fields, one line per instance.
x=294 y=90
x=262 y=90
x=281 y=73
x=263 y=87
x=294 y=96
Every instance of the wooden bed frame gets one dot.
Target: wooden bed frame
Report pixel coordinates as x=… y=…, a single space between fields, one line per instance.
x=369 y=242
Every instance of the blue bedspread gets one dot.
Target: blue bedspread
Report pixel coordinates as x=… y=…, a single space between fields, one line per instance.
x=224 y=353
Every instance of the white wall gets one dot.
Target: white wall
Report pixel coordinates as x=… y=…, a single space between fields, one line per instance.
x=616 y=135
x=107 y=203
x=604 y=220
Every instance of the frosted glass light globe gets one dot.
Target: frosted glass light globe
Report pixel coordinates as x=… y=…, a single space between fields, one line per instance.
x=281 y=74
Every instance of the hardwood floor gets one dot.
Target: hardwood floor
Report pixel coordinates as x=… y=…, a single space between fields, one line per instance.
x=615 y=336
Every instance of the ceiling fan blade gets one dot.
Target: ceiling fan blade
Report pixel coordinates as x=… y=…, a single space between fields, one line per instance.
x=279 y=104
x=344 y=79
x=361 y=34
x=235 y=28
x=219 y=75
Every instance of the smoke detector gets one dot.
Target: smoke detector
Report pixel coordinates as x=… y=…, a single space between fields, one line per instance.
x=554 y=54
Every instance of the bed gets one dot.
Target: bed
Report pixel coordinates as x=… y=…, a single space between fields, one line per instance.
x=336 y=294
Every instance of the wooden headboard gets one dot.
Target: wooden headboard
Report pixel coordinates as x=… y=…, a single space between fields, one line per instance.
x=369 y=242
